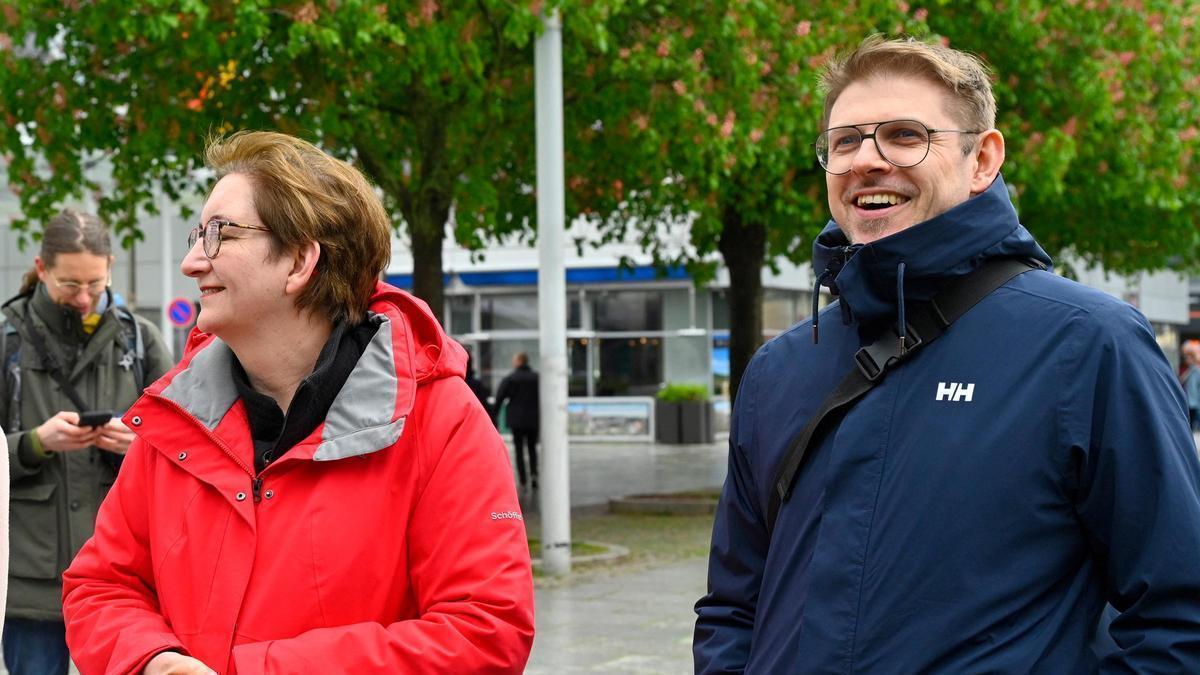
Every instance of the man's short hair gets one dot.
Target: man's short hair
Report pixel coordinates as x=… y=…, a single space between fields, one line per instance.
x=303 y=194
x=964 y=76
x=521 y=359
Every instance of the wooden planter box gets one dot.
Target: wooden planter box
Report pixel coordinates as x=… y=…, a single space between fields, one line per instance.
x=683 y=422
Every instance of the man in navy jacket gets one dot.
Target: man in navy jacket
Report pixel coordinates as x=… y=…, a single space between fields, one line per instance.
x=977 y=509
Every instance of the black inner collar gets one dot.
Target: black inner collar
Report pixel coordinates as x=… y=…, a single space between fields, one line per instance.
x=273 y=432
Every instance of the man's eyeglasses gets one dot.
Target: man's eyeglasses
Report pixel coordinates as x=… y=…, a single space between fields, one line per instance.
x=903 y=143
x=211 y=231
x=72 y=288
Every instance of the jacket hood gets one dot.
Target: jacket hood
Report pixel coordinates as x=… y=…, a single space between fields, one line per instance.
x=409 y=349
x=922 y=258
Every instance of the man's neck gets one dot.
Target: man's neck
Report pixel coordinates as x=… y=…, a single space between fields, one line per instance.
x=282 y=354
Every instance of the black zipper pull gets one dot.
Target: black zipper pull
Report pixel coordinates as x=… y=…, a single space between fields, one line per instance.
x=256 y=489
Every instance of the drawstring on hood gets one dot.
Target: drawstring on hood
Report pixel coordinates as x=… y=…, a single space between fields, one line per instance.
x=834 y=266
x=816 y=298
x=901 y=322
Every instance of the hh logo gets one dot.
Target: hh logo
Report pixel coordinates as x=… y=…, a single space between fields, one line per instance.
x=955 y=391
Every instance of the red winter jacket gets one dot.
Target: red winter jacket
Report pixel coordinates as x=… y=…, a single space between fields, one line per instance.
x=389 y=540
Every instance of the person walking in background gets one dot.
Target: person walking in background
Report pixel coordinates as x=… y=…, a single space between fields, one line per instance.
x=481 y=390
x=1191 y=381
x=313 y=488
x=519 y=389
x=973 y=455
x=68 y=349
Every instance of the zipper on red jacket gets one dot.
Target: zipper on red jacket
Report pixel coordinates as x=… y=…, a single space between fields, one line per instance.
x=256 y=488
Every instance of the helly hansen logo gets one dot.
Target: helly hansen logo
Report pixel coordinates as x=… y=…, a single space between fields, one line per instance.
x=955 y=391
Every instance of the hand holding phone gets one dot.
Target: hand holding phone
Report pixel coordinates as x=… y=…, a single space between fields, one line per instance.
x=63 y=433
x=94 y=418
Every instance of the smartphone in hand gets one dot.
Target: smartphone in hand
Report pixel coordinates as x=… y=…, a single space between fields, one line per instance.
x=94 y=418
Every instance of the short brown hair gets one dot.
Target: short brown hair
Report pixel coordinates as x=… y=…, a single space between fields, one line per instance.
x=69 y=232
x=963 y=75
x=303 y=194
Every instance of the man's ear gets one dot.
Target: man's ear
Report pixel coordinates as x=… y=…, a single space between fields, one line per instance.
x=304 y=267
x=989 y=156
x=40 y=266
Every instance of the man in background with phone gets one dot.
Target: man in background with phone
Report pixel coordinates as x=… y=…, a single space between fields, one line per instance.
x=72 y=359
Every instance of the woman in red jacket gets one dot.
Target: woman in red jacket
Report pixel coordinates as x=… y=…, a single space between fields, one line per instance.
x=314 y=487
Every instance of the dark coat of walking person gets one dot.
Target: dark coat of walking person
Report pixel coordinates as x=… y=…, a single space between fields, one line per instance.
x=1018 y=455
x=519 y=389
x=480 y=389
x=313 y=488
x=63 y=326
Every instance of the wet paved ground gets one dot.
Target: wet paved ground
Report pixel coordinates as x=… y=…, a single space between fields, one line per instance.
x=635 y=623
x=602 y=471
x=640 y=621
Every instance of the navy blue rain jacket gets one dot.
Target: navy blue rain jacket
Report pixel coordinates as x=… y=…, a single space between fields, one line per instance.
x=974 y=511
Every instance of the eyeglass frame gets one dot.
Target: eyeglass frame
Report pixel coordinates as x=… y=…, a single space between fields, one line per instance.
x=58 y=285
x=199 y=233
x=863 y=137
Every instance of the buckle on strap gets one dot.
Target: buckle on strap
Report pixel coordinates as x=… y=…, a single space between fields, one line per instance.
x=874 y=359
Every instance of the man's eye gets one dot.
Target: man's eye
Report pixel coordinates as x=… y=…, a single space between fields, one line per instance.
x=844 y=141
x=906 y=135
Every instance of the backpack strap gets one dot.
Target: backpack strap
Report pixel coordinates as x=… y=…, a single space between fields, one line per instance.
x=882 y=355
x=52 y=366
x=135 y=346
x=10 y=351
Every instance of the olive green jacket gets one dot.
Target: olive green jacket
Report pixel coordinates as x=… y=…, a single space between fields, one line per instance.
x=53 y=500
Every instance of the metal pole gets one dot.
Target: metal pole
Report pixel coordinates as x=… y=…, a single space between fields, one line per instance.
x=168 y=330
x=552 y=301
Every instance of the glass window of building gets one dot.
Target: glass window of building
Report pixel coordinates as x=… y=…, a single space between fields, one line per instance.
x=684 y=308
x=462 y=314
x=628 y=366
x=574 y=310
x=779 y=310
x=720 y=365
x=621 y=311
x=720 y=309
x=515 y=311
x=577 y=376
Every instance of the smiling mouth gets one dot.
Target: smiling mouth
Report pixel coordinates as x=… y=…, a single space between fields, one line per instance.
x=880 y=201
x=209 y=291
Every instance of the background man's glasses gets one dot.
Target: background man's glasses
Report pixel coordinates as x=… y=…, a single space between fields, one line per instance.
x=902 y=143
x=71 y=288
x=211 y=231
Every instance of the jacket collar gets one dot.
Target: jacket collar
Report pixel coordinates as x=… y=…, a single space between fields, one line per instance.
x=932 y=253
x=367 y=415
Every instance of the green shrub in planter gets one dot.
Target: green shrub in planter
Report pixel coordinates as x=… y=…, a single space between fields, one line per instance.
x=683 y=391
x=683 y=414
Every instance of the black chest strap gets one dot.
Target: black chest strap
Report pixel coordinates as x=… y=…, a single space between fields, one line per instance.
x=926 y=323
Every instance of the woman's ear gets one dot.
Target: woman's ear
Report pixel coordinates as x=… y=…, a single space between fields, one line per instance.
x=304 y=267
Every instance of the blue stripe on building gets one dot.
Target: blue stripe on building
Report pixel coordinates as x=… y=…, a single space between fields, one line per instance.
x=581 y=275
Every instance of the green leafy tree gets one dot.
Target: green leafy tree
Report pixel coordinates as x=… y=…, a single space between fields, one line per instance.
x=708 y=110
x=433 y=101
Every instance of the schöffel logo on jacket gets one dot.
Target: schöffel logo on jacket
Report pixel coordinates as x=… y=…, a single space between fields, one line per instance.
x=955 y=391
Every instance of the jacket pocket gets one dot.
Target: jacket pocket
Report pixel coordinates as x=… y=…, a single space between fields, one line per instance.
x=33 y=531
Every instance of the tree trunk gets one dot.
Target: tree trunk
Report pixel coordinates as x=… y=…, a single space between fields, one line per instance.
x=743 y=248
x=427 y=228
x=424 y=202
